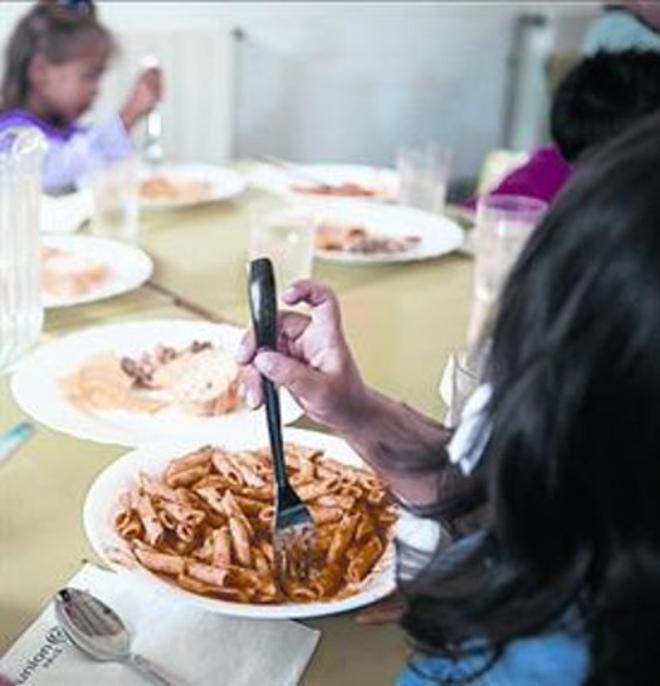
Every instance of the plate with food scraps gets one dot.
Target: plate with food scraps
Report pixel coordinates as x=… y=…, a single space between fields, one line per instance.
x=83 y=269
x=354 y=232
x=130 y=383
x=325 y=182
x=185 y=185
x=195 y=521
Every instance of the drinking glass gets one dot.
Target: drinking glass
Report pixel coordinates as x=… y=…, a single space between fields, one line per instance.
x=465 y=373
x=288 y=240
x=21 y=310
x=114 y=188
x=503 y=225
x=423 y=172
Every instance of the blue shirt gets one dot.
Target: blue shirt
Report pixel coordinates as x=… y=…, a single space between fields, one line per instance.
x=559 y=657
x=617 y=30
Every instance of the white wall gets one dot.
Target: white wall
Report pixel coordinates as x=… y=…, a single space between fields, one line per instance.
x=348 y=81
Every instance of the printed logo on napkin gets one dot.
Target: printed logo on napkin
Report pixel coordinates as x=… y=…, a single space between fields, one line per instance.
x=54 y=644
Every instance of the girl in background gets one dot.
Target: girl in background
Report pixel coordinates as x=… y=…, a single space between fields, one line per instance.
x=54 y=61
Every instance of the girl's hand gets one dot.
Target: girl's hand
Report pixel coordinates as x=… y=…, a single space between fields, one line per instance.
x=313 y=361
x=146 y=93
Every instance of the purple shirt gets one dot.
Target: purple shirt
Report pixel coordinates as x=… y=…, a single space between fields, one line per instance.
x=542 y=176
x=74 y=150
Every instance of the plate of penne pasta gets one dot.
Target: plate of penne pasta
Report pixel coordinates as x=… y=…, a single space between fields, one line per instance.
x=194 y=519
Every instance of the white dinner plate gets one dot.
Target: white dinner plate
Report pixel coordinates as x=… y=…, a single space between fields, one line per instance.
x=282 y=181
x=438 y=235
x=102 y=504
x=36 y=388
x=128 y=267
x=225 y=184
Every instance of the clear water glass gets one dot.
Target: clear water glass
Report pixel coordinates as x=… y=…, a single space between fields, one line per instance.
x=504 y=223
x=423 y=172
x=21 y=309
x=114 y=189
x=288 y=240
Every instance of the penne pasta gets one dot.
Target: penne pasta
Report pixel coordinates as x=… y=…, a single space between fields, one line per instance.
x=194 y=459
x=172 y=565
x=324 y=515
x=345 y=502
x=209 y=574
x=189 y=476
x=227 y=469
x=240 y=540
x=185 y=532
x=314 y=490
x=262 y=563
x=156 y=488
x=300 y=593
x=362 y=562
x=128 y=525
x=221 y=547
x=207 y=524
x=184 y=514
x=342 y=538
x=152 y=525
x=233 y=510
x=365 y=528
x=328 y=580
x=167 y=520
x=252 y=508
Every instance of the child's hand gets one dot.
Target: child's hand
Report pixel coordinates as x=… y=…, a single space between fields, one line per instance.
x=313 y=362
x=146 y=93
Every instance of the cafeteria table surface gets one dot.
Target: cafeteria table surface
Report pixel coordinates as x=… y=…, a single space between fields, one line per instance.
x=402 y=321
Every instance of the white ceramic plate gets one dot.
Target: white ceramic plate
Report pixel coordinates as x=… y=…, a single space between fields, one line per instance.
x=36 y=389
x=101 y=506
x=65 y=213
x=225 y=183
x=281 y=181
x=438 y=234
x=128 y=267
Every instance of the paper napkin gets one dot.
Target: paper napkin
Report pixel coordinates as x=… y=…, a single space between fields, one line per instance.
x=194 y=647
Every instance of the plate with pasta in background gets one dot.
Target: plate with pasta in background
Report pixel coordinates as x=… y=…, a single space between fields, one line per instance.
x=194 y=520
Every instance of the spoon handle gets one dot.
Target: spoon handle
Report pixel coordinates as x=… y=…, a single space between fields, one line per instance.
x=150 y=670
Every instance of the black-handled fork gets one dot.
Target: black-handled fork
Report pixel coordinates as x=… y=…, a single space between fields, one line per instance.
x=293 y=528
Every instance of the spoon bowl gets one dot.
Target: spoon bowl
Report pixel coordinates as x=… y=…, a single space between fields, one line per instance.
x=98 y=631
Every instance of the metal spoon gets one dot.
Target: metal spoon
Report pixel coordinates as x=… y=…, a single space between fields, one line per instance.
x=152 y=152
x=96 y=630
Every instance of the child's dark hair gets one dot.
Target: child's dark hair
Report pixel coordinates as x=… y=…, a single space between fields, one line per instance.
x=601 y=97
x=58 y=30
x=571 y=467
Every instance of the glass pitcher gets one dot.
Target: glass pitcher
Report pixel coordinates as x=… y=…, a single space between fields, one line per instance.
x=21 y=310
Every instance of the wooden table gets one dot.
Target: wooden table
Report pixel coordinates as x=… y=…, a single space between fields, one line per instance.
x=402 y=322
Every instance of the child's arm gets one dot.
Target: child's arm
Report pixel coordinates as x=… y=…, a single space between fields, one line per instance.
x=146 y=93
x=68 y=162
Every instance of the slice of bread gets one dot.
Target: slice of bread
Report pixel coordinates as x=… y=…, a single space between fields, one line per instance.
x=204 y=383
